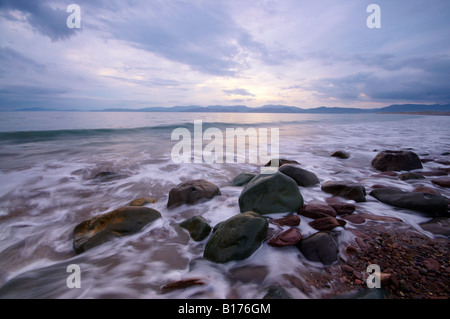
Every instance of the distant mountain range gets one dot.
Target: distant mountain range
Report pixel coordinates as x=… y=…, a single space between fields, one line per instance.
x=403 y=108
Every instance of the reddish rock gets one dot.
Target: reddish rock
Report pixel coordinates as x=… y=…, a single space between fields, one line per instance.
x=380 y=218
x=428 y=190
x=292 y=236
x=325 y=223
x=343 y=208
x=434 y=173
x=182 y=284
x=351 y=249
x=442 y=181
x=385 y=279
x=431 y=264
x=355 y=219
x=293 y=220
x=441 y=161
x=316 y=211
x=347 y=268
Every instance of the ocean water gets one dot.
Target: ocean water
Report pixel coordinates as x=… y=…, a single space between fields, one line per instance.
x=48 y=161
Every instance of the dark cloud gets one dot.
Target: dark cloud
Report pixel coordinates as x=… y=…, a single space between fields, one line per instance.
x=43 y=18
x=17 y=62
x=200 y=35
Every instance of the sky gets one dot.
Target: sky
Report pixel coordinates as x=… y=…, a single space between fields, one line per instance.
x=144 y=53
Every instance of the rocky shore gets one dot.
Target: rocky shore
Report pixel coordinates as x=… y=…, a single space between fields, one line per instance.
x=412 y=264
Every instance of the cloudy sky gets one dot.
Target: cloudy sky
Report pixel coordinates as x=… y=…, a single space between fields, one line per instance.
x=141 y=53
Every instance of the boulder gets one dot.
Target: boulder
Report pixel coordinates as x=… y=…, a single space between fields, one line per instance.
x=191 y=192
x=424 y=202
x=289 y=237
x=321 y=246
x=269 y=194
x=197 y=226
x=280 y=161
x=396 y=161
x=301 y=176
x=442 y=181
x=120 y=222
x=242 y=179
x=316 y=211
x=341 y=154
x=348 y=190
x=237 y=238
x=325 y=223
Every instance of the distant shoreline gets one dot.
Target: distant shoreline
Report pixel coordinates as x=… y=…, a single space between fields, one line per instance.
x=419 y=113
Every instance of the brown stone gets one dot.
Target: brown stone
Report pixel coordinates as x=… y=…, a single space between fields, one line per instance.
x=293 y=220
x=347 y=268
x=396 y=161
x=355 y=219
x=442 y=181
x=142 y=201
x=426 y=189
x=434 y=173
x=343 y=208
x=289 y=237
x=118 y=223
x=191 y=192
x=181 y=284
x=325 y=223
x=316 y=211
x=431 y=264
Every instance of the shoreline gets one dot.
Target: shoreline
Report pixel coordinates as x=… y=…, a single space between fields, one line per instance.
x=419 y=113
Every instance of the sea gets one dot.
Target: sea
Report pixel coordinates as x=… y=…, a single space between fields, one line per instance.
x=48 y=167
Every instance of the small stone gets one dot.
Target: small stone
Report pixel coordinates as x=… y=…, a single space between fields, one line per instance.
x=409 y=175
x=325 y=223
x=427 y=190
x=293 y=220
x=142 y=201
x=431 y=264
x=197 y=226
x=347 y=268
x=316 y=211
x=343 y=208
x=355 y=219
x=191 y=192
x=277 y=292
x=289 y=237
x=348 y=190
x=442 y=181
x=181 y=284
x=341 y=154
x=279 y=162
